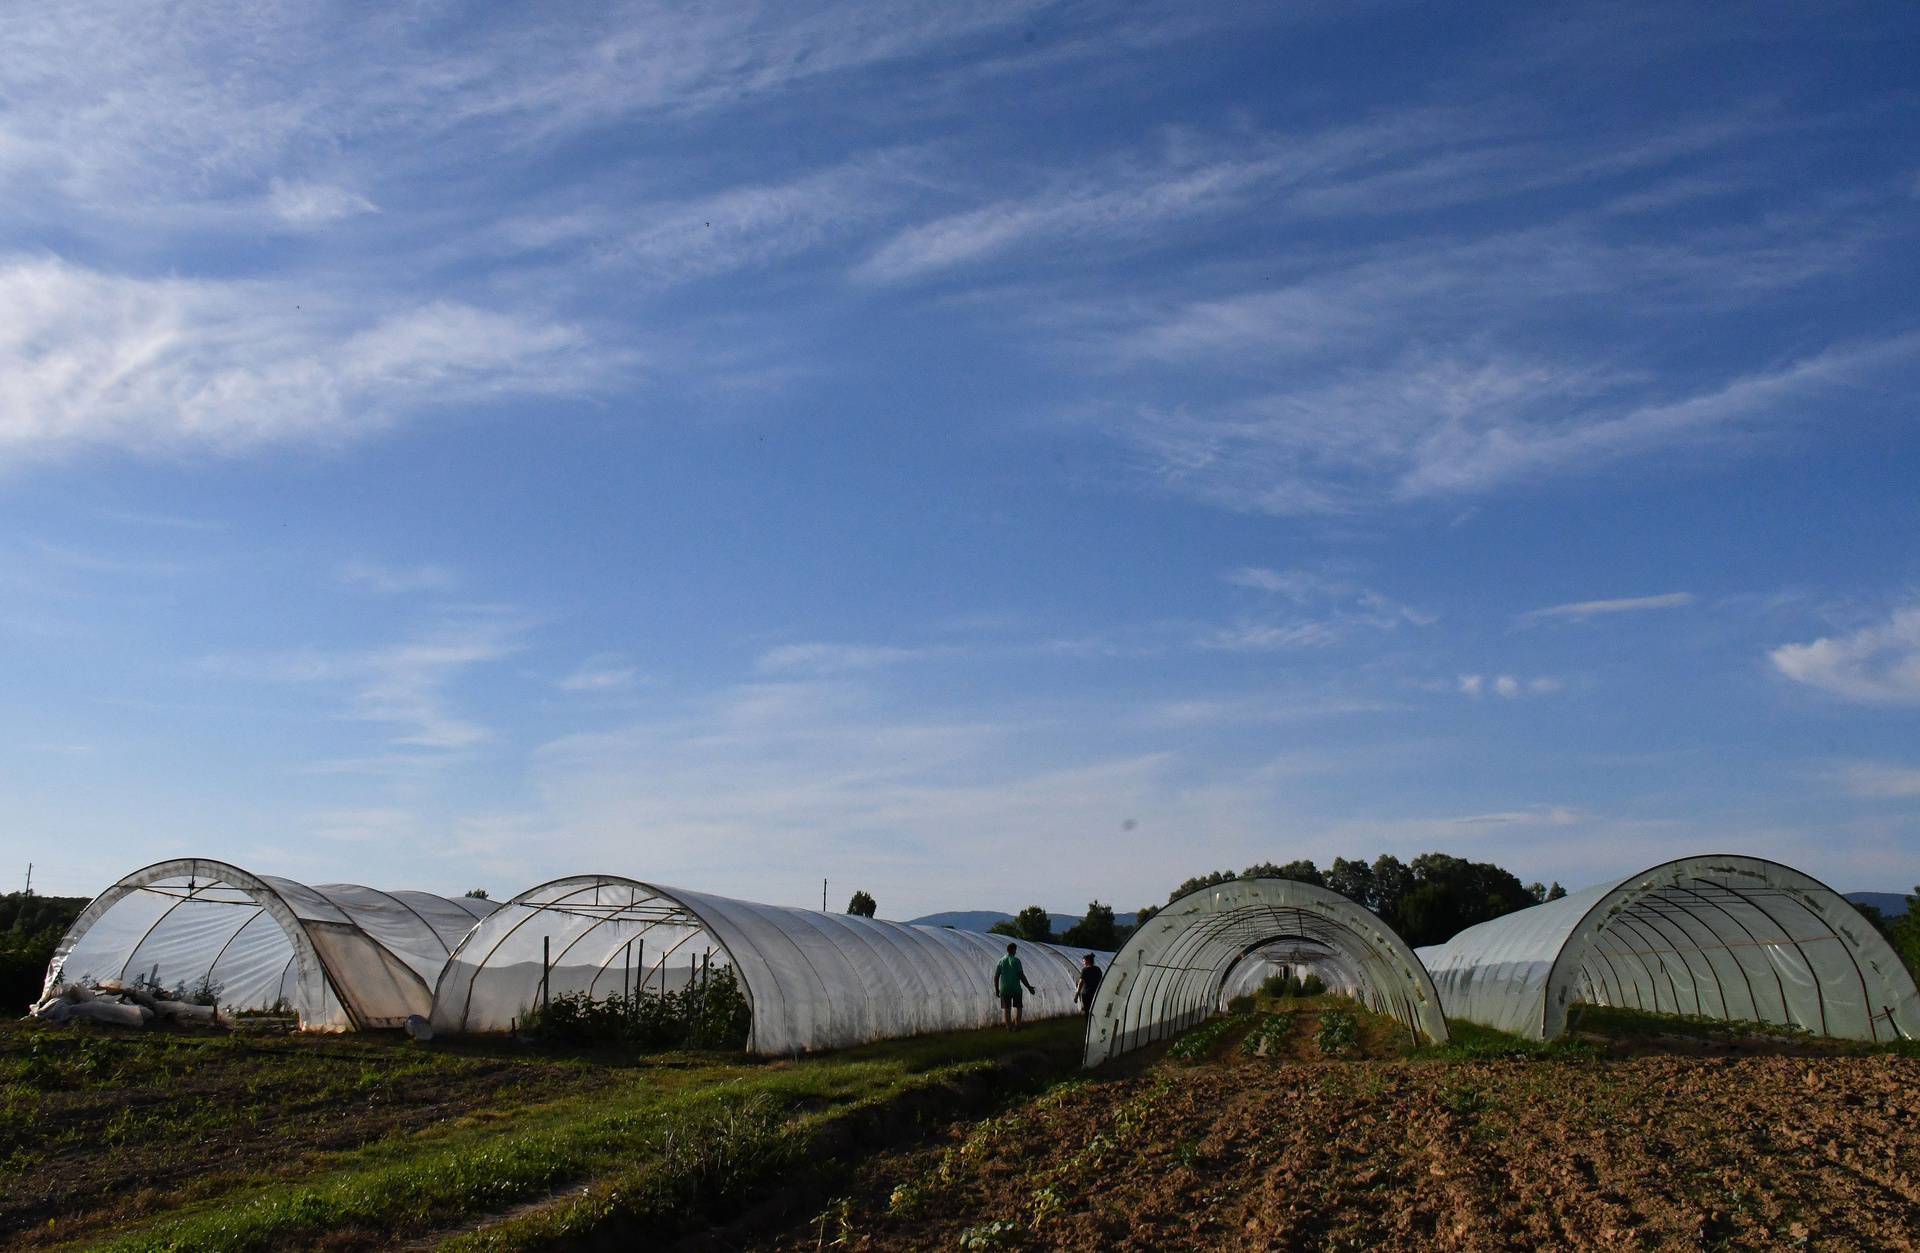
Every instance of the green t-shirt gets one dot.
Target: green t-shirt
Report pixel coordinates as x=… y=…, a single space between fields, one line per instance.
x=1008 y=976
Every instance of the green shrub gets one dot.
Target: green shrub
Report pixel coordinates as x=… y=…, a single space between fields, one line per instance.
x=30 y=927
x=1293 y=985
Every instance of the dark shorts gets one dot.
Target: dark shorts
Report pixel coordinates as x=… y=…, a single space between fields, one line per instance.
x=1009 y=1000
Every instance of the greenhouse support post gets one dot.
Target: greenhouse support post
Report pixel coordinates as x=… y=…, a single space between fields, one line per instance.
x=546 y=967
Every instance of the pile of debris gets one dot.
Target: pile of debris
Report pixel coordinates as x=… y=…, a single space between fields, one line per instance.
x=121 y=1004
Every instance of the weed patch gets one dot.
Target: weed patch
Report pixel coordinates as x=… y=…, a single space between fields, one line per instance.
x=1201 y=1041
x=1471 y=1042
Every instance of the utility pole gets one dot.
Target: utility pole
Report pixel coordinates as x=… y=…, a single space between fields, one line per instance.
x=30 y=883
x=823 y=896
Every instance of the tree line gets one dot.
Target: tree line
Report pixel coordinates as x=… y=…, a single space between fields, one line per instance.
x=30 y=929
x=1427 y=900
x=1902 y=932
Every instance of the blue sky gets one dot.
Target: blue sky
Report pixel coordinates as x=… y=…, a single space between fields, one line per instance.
x=984 y=454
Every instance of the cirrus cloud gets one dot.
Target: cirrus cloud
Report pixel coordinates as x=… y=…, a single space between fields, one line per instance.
x=90 y=358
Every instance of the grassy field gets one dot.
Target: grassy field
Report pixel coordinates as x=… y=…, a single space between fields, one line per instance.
x=1306 y=1124
x=152 y=1141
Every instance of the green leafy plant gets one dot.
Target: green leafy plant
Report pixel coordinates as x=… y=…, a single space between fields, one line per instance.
x=710 y=1012
x=1199 y=1042
x=1339 y=1034
x=1266 y=1037
x=1001 y=1233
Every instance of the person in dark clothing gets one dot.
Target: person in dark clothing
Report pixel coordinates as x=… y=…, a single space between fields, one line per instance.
x=1089 y=984
x=1008 y=978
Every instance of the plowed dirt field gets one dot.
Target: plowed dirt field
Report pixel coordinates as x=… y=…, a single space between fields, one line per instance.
x=1236 y=1151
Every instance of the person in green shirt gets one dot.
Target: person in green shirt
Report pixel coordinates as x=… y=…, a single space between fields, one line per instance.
x=1008 y=979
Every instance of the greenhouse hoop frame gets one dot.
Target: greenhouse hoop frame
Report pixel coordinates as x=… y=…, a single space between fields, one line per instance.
x=340 y=956
x=1721 y=936
x=1181 y=965
x=811 y=979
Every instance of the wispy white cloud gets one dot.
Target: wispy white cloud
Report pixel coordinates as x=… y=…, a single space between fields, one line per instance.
x=131 y=106
x=1273 y=707
x=1875 y=665
x=1266 y=637
x=87 y=561
x=1440 y=363
x=1102 y=213
x=307 y=206
x=1506 y=686
x=1324 y=608
x=1356 y=603
x=606 y=673
x=1539 y=816
x=832 y=659
x=95 y=359
x=160 y=521
x=403 y=687
x=1878 y=780
x=389 y=580
x=1434 y=429
x=1133 y=197
x=749 y=226
x=1583 y=609
x=361 y=826
x=785 y=782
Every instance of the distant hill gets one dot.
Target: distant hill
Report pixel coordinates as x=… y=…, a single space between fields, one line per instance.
x=1890 y=904
x=983 y=920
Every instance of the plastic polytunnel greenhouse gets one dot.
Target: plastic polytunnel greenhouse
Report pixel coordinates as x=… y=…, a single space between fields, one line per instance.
x=812 y=980
x=1722 y=936
x=1185 y=962
x=338 y=955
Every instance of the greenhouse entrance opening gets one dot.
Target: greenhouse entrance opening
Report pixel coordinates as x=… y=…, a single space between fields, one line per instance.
x=1721 y=936
x=1299 y=960
x=1189 y=959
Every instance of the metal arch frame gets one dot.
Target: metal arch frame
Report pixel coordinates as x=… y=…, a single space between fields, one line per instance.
x=1687 y=875
x=1145 y=967
x=314 y=973
x=783 y=957
x=578 y=884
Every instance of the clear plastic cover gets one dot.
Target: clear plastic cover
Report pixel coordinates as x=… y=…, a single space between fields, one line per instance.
x=813 y=980
x=1719 y=936
x=339 y=956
